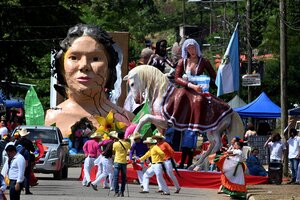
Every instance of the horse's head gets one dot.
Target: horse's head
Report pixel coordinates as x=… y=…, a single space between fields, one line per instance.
x=136 y=86
x=146 y=81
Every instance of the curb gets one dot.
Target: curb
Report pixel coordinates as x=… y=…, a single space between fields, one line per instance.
x=250 y=197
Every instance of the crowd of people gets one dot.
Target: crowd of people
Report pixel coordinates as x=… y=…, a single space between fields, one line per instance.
x=17 y=163
x=111 y=157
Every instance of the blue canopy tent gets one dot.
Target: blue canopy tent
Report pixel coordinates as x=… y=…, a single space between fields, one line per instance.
x=261 y=107
x=294 y=111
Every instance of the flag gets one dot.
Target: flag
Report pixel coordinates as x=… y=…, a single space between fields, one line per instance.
x=146 y=130
x=228 y=76
x=34 y=112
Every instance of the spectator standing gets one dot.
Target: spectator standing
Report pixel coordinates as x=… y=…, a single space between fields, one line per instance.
x=250 y=132
x=28 y=145
x=5 y=139
x=138 y=149
x=254 y=165
x=120 y=149
x=16 y=170
x=276 y=147
x=91 y=151
x=188 y=146
x=3 y=187
x=3 y=127
x=145 y=56
x=294 y=153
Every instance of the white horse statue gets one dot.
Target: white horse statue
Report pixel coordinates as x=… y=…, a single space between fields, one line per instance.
x=197 y=112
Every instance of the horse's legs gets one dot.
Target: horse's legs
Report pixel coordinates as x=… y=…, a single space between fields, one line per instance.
x=157 y=120
x=214 y=145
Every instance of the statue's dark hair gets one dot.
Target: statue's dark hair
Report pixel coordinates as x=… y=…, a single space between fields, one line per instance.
x=157 y=46
x=98 y=34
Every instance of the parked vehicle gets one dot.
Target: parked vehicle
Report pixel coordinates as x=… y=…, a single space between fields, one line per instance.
x=56 y=156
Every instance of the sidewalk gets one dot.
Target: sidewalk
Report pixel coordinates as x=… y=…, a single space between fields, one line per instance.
x=273 y=192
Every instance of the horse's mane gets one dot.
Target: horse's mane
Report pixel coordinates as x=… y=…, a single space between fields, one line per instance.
x=153 y=79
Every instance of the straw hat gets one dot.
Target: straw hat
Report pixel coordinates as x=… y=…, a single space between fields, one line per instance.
x=23 y=132
x=158 y=135
x=113 y=134
x=136 y=136
x=150 y=140
x=96 y=135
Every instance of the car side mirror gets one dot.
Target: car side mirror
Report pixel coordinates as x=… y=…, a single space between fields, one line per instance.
x=65 y=142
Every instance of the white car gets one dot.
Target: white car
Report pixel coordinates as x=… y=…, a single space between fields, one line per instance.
x=56 y=156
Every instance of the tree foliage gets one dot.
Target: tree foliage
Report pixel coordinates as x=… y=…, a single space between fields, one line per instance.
x=30 y=29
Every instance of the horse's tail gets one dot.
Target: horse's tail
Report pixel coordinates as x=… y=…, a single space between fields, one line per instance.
x=236 y=127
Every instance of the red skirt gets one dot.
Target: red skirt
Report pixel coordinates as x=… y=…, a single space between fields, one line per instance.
x=187 y=109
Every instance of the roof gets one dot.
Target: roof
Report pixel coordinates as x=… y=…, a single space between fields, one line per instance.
x=236 y=102
x=294 y=111
x=261 y=107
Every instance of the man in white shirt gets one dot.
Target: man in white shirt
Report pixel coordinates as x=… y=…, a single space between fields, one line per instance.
x=277 y=148
x=16 y=169
x=294 y=152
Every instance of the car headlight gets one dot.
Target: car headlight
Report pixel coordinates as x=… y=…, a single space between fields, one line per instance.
x=53 y=154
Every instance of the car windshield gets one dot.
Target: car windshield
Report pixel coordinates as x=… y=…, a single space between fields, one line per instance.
x=47 y=136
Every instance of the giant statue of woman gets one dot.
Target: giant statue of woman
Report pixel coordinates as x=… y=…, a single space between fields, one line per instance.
x=87 y=65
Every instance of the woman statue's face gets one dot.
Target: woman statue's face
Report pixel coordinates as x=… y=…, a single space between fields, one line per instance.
x=86 y=65
x=191 y=49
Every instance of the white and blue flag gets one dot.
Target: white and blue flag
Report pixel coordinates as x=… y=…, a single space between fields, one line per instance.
x=228 y=76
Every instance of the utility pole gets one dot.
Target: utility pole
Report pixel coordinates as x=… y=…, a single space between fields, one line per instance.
x=283 y=75
x=183 y=13
x=249 y=49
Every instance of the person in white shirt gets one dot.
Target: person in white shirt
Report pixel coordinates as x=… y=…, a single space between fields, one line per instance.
x=16 y=168
x=294 y=152
x=276 y=147
x=3 y=128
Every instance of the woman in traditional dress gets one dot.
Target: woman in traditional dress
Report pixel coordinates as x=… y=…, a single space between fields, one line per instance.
x=191 y=108
x=233 y=176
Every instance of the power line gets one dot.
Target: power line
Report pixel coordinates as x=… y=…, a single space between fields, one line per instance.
x=57 y=26
x=32 y=40
x=25 y=7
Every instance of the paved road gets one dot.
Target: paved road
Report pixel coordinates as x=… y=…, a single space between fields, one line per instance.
x=49 y=189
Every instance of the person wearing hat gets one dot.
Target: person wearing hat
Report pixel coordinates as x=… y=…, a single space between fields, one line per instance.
x=28 y=145
x=168 y=159
x=106 y=160
x=157 y=158
x=138 y=148
x=120 y=149
x=91 y=152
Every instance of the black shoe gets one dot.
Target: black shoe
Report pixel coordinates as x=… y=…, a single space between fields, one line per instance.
x=28 y=193
x=89 y=184
x=122 y=194
x=94 y=187
x=116 y=194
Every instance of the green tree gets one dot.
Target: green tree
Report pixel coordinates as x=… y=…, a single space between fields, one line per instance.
x=29 y=30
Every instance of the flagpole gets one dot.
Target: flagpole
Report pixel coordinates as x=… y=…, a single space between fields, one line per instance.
x=238 y=31
x=249 y=50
